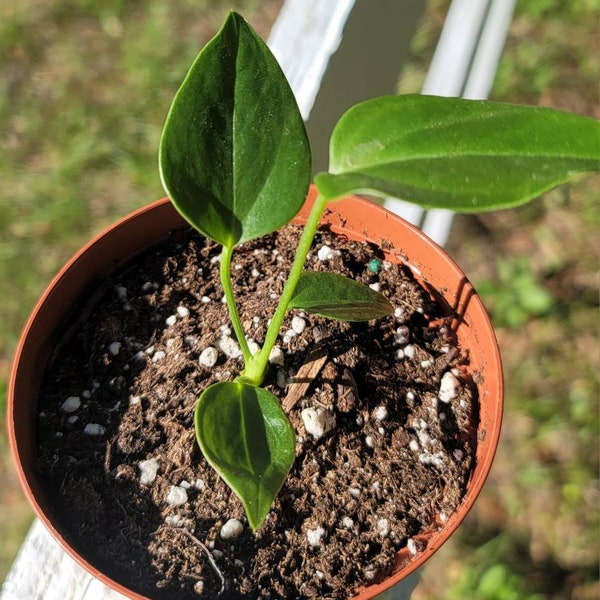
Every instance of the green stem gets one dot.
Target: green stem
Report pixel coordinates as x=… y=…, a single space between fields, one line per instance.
x=257 y=365
x=225 y=273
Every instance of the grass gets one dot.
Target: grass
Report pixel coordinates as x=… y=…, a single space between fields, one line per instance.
x=85 y=90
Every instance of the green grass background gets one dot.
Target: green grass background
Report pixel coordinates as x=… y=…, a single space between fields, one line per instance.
x=84 y=89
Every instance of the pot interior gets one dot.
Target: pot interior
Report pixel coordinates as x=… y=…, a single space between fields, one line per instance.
x=353 y=217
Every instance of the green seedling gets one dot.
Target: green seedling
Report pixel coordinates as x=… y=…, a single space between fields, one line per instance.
x=236 y=163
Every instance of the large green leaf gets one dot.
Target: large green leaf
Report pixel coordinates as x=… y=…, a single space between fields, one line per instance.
x=464 y=155
x=246 y=437
x=234 y=156
x=338 y=297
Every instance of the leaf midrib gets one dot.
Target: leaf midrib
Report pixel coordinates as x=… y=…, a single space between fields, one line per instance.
x=446 y=157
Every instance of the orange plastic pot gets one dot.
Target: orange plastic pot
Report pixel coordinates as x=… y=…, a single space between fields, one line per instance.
x=355 y=218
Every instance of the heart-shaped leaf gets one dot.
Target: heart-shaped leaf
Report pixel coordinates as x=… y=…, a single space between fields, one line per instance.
x=337 y=297
x=246 y=437
x=234 y=156
x=464 y=155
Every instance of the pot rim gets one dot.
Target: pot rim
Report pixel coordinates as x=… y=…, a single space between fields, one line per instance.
x=119 y=229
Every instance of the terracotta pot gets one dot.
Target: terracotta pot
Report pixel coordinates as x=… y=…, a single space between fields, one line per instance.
x=356 y=218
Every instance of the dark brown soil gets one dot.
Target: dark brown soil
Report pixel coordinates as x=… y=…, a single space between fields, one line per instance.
x=395 y=464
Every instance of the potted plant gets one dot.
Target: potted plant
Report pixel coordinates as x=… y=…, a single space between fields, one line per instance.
x=347 y=413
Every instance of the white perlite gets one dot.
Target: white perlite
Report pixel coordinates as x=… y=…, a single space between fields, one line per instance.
x=231 y=530
x=276 y=356
x=448 y=387
x=288 y=336
x=93 y=429
x=158 y=355
x=347 y=522
x=171 y=320
x=183 y=312
x=148 y=470
x=298 y=324
x=71 y=404
x=406 y=352
x=180 y=521
x=114 y=348
x=177 y=496
x=281 y=379
x=314 y=536
x=317 y=421
x=354 y=492
x=121 y=292
x=411 y=546
x=436 y=460
x=402 y=336
x=208 y=357
x=380 y=413
x=383 y=526
x=326 y=253
x=229 y=347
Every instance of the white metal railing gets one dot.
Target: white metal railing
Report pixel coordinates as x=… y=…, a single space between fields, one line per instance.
x=464 y=65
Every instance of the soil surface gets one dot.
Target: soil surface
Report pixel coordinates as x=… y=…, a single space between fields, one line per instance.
x=131 y=487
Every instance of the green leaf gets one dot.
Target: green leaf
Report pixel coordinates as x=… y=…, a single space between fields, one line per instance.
x=234 y=156
x=246 y=437
x=463 y=155
x=338 y=297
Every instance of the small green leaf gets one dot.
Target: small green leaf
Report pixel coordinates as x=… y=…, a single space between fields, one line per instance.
x=234 y=156
x=246 y=437
x=338 y=297
x=463 y=155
